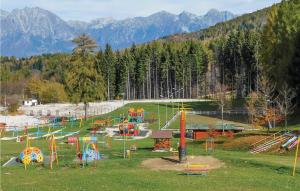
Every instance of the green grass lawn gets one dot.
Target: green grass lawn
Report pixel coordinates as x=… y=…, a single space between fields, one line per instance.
x=242 y=170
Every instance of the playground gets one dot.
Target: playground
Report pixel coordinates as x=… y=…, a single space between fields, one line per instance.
x=112 y=153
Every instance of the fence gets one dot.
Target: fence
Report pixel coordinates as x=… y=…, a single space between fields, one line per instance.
x=227 y=112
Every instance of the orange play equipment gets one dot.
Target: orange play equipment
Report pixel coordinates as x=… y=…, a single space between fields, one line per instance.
x=53 y=152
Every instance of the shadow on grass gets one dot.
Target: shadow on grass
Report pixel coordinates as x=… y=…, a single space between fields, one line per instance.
x=146 y=148
x=258 y=164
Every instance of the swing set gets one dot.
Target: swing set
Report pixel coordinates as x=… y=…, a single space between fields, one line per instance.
x=86 y=149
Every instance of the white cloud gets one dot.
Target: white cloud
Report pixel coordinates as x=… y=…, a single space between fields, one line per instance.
x=120 y=9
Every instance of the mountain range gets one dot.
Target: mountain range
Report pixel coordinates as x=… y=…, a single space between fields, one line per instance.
x=33 y=31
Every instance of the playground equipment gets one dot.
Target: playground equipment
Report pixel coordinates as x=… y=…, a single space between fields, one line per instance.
x=162 y=140
x=89 y=151
x=100 y=123
x=274 y=140
x=286 y=140
x=43 y=134
x=99 y=126
x=55 y=123
x=38 y=131
x=133 y=147
x=136 y=116
x=209 y=144
x=196 y=169
x=291 y=143
x=31 y=154
x=281 y=140
x=58 y=121
x=130 y=127
x=53 y=152
x=15 y=133
x=2 y=129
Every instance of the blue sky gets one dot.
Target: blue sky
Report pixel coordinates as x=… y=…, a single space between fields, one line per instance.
x=87 y=10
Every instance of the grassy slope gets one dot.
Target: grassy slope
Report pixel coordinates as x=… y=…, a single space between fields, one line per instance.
x=205 y=120
x=243 y=171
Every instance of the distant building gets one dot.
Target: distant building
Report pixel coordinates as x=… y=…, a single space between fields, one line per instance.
x=30 y=102
x=203 y=131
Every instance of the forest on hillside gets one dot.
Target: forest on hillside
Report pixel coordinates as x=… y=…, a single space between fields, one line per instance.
x=233 y=61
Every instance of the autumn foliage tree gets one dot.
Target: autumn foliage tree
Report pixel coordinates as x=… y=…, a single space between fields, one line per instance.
x=46 y=91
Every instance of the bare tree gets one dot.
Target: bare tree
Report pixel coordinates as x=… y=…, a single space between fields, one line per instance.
x=285 y=101
x=266 y=93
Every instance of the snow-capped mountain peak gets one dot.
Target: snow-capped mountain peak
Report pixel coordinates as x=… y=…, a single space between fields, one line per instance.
x=35 y=30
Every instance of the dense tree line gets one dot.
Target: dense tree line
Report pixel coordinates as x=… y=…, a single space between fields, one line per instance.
x=140 y=72
x=154 y=70
x=172 y=69
x=280 y=50
x=237 y=60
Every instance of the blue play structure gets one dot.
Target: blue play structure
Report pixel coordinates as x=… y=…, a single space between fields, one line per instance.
x=90 y=151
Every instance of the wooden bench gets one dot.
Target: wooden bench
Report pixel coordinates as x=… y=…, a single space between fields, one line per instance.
x=196 y=169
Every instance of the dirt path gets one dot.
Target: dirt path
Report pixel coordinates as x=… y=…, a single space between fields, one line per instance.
x=163 y=164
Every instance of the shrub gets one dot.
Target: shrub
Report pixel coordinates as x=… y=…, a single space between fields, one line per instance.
x=47 y=91
x=12 y=108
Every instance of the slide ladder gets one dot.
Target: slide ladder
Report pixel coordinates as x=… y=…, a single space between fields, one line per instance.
x=266 y=144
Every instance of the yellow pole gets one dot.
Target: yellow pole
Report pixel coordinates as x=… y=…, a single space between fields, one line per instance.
x=27 y=144
x=296 y=156
x=51 y=154
x=205 y=145
x=27 y=141
x=56 y=156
